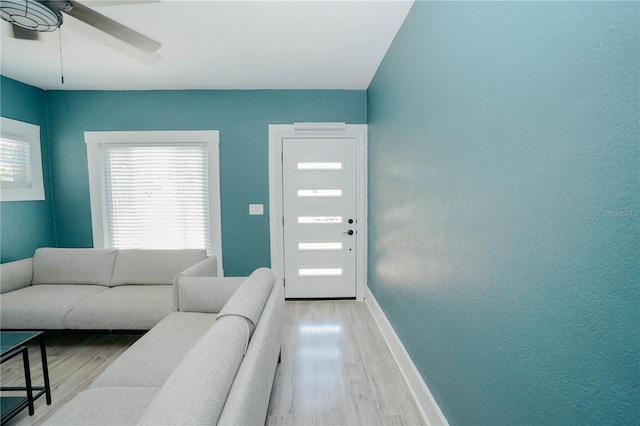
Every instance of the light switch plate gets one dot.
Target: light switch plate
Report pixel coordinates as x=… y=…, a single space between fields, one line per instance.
x=256 y=209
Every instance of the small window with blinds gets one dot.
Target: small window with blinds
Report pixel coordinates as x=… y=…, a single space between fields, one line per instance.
x=155 y=190
x=15 y=162
x=20 y=161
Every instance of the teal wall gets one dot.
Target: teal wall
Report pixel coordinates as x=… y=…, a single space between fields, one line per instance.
x=242 y=117
x=26 y=225
x=504 y=207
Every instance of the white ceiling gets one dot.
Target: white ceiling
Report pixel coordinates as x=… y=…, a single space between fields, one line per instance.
x=211 y=44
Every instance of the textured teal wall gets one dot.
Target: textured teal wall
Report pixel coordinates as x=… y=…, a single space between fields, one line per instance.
x=26 y=225
x=505 y=207
x=242 y=117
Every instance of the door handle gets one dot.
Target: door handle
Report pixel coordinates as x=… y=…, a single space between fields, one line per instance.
x=349 y=232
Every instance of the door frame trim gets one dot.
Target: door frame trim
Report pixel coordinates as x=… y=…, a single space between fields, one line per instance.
x=279 y=131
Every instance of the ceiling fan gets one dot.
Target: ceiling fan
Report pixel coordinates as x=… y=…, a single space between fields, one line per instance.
x=29 y=17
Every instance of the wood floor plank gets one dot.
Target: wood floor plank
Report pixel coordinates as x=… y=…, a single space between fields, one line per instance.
x=336 y=369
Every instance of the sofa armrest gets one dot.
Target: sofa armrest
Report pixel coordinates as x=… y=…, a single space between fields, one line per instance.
x=205 y=294
x=205 y=268
x=16 y=275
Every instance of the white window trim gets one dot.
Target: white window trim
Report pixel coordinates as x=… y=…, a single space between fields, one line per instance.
x=211 y=138
x=13 y=129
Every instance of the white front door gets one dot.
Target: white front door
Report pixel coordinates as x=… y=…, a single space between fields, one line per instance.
x=318 y=245
x=320 y=230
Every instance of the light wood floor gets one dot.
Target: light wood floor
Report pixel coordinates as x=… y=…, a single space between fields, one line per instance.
x=74 y=360
x=336 y=369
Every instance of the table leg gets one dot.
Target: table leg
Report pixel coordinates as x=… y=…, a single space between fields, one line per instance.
x=27 y=379
x=45 y=369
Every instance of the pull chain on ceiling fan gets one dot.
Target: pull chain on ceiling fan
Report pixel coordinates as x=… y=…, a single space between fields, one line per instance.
x=29 y=17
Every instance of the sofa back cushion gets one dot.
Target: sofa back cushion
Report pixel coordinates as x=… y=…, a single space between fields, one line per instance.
x=249 y=299
x=205 y=294
x=248 y=400
x=73 y=266
x=196 y=391
x=140 y=266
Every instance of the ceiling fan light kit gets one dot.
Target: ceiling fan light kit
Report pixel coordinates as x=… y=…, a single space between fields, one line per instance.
x=45 y=15
x=31 y=15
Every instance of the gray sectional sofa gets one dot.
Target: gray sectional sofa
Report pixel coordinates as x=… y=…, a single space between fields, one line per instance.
x=212 y=362
x=209 y=357
x=95 y=289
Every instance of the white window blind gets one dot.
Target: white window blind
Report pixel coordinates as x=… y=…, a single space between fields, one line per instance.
x=156 y=195
x=15 y=163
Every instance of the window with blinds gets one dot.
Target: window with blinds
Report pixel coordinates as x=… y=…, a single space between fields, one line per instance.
x=155 y=189
x=20 y=161
x=156 y=196
x=15 y=163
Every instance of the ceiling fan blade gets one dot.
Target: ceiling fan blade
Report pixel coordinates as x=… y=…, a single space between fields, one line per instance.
x=23 y=33
x=94 y=3
x=109 y=26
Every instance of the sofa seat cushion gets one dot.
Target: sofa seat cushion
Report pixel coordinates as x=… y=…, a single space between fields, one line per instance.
x=195 y=393
x=73 y=266
x=104 y=406
x=43 y=307
x=135 y=307
x=151 y=360
x=153 y=267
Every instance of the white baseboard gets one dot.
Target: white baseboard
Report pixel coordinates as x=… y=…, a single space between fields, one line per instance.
x=426 y=404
